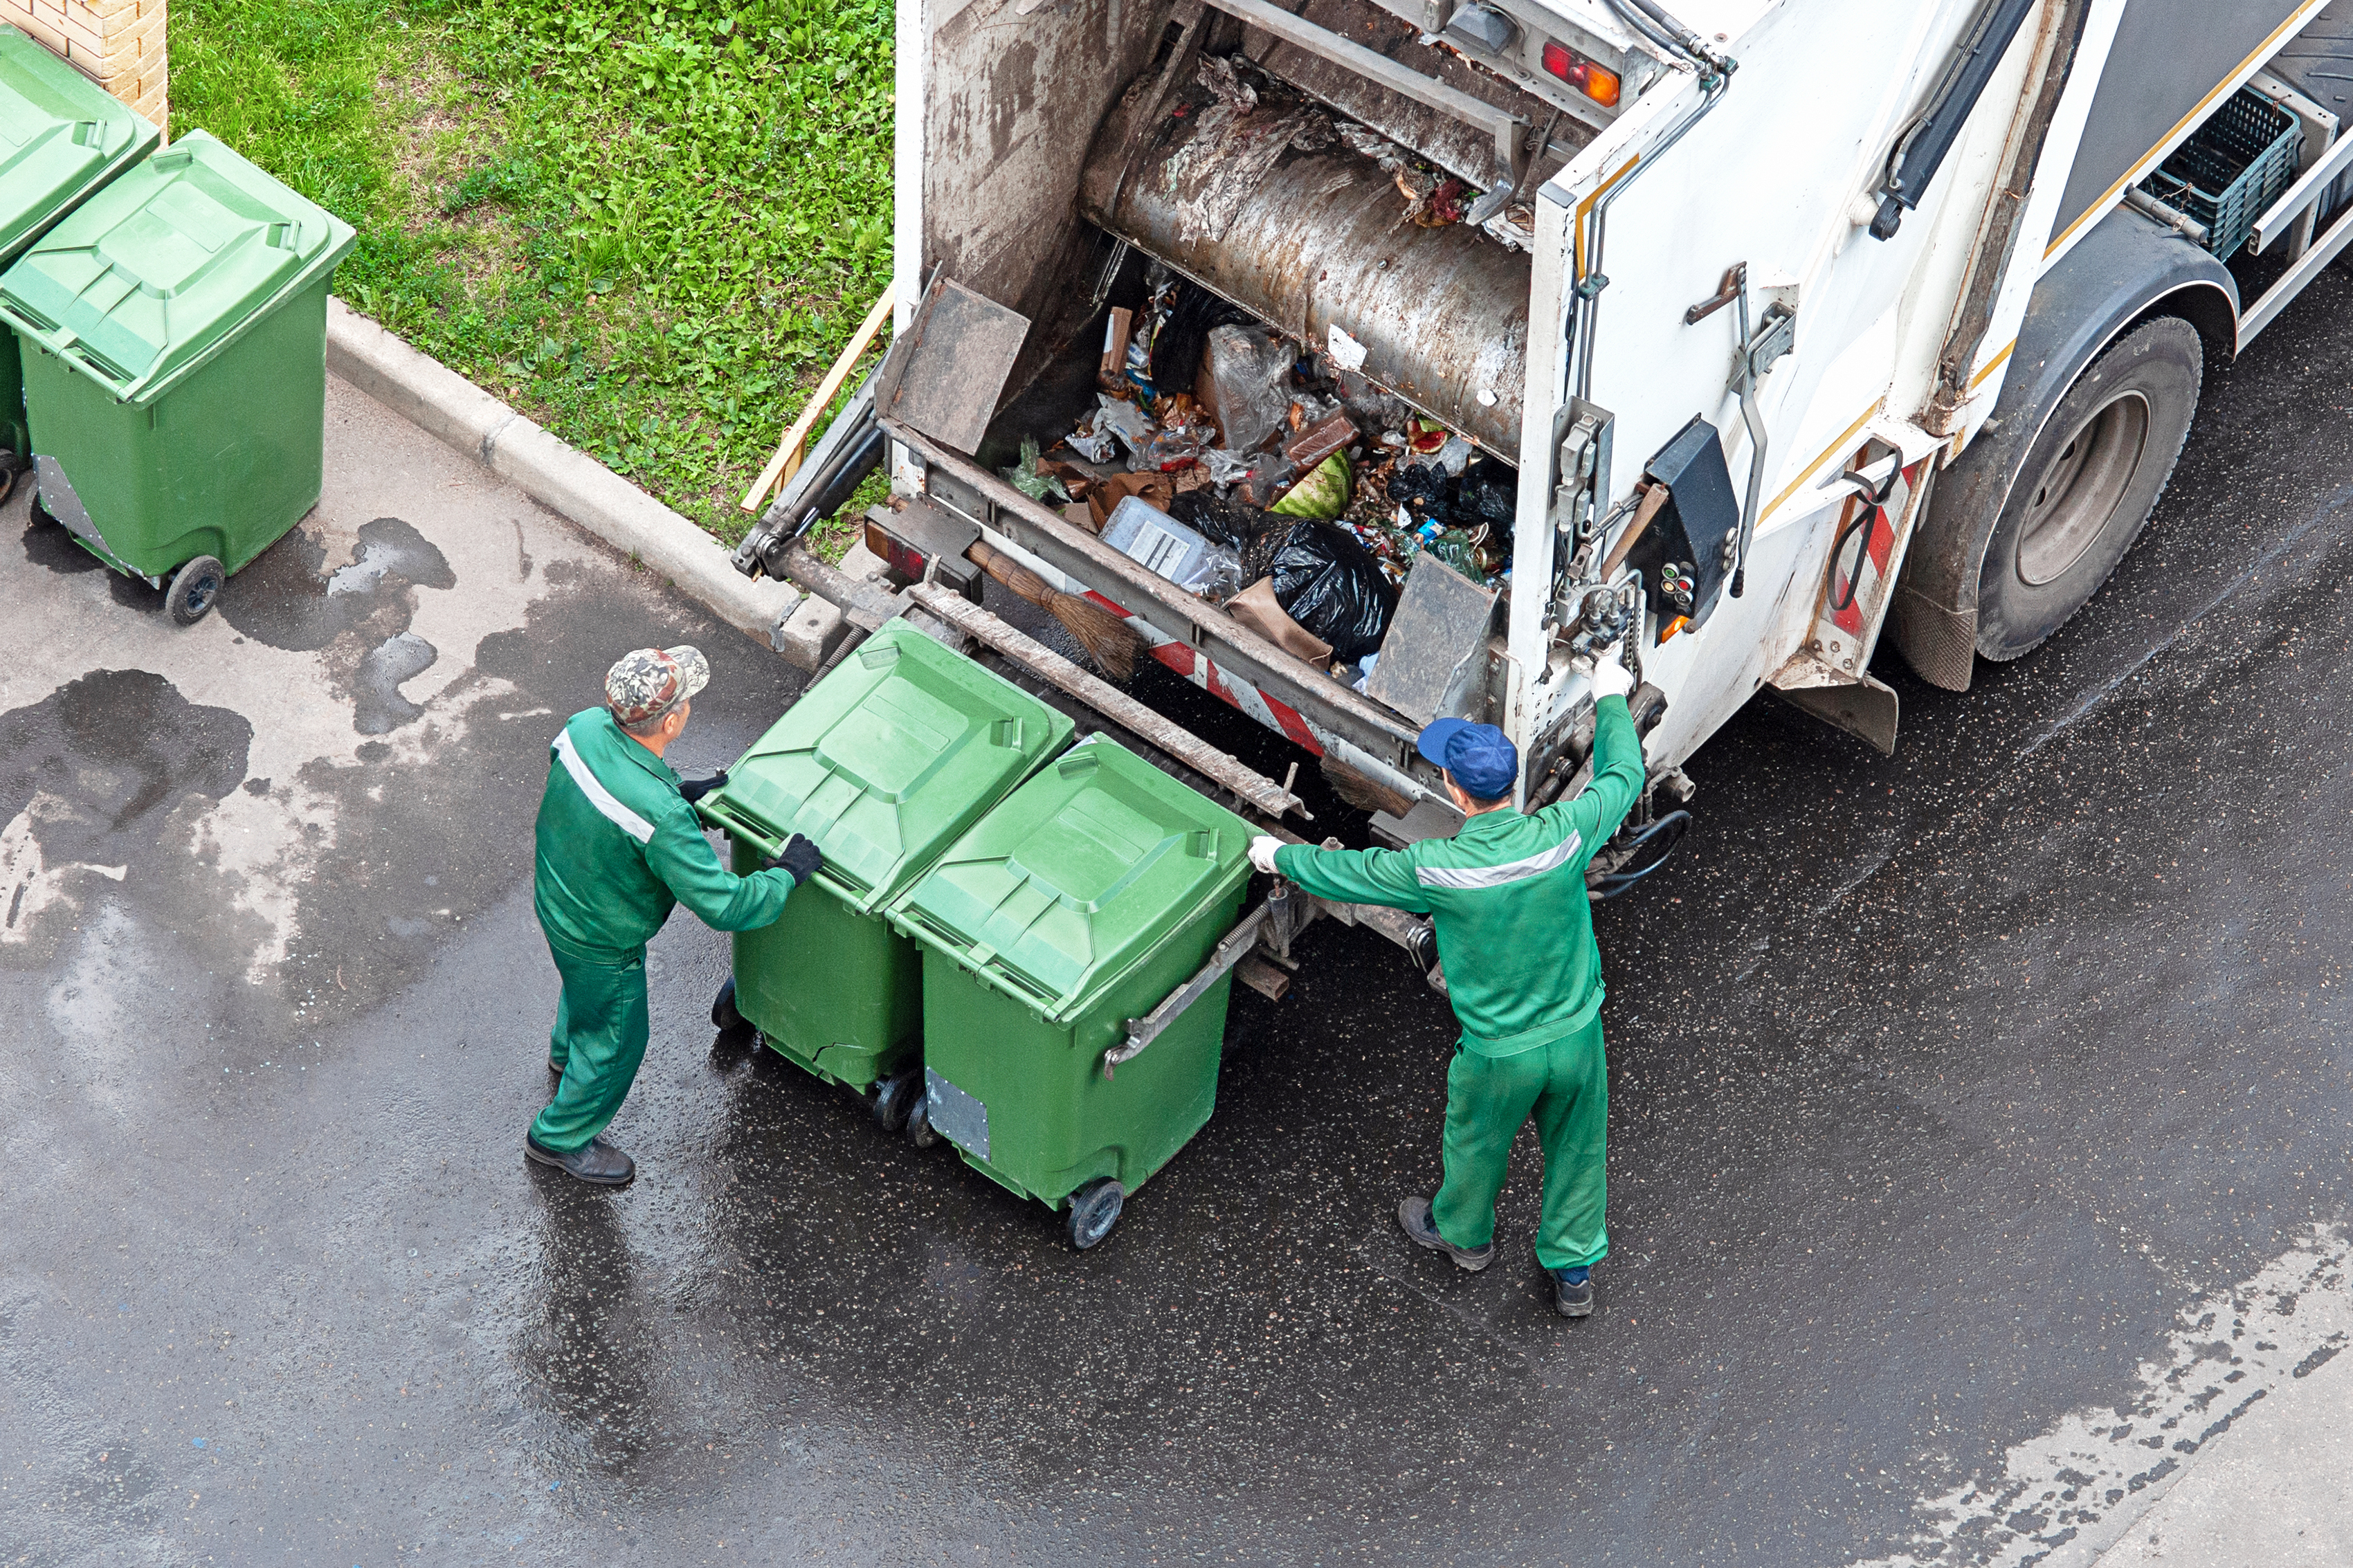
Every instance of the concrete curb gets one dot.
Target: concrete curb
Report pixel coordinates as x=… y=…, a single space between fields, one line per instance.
x=575 y=486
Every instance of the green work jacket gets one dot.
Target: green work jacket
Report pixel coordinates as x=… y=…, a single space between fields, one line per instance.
x=1508 y=896
x=620 y=847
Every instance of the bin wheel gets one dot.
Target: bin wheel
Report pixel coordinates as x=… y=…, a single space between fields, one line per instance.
x=723 y=1016
x=1094 y=1209
x=896 y=1097
x=920 y=1131
x=193 y=588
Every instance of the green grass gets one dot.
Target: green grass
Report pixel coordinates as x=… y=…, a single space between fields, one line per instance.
x=649 y=227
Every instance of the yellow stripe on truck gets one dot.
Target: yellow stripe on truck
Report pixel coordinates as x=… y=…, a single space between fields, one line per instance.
x=2261 y=52
x=1826 y=453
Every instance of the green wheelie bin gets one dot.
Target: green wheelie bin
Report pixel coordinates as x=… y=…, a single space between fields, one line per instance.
x=1094 y=891
x=175 y=329
x=883 y=764
x=61 y=137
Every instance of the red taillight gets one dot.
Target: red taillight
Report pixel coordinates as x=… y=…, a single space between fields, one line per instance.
x=1595 y=82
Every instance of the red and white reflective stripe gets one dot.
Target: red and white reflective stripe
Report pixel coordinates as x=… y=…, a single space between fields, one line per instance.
x=1196 y=667
x=1872 y=569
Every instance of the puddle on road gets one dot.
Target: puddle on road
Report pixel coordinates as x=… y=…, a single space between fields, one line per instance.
x=49 y=545
x=381 y=707
x=289 y=599
x=109 y=754
x=357 y=614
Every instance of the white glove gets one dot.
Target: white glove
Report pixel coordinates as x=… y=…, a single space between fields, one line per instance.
x=1611 y=678
x=1261 y=852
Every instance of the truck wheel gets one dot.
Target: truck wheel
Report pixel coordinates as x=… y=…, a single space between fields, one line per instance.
x=896 y=1097
x=723 y=1016
x=2088 y=485
x=193 y=588
x=1094 y=1209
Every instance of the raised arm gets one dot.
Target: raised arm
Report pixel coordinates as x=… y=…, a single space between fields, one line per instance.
x=1603 y=803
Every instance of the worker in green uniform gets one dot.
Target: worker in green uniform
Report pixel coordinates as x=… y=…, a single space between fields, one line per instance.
x=619 y=847
x=1515 y=933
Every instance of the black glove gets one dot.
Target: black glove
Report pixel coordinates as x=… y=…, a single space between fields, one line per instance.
x=799 y=856
x=698 y=788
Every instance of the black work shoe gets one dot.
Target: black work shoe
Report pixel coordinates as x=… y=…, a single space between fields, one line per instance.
x=1571 y=1300
x=597 y=1162
x=1413 y=1217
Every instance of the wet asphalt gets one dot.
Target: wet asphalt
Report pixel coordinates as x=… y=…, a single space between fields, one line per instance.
x=1943 y=1087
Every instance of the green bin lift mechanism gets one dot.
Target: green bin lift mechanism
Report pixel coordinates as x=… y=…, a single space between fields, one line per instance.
x=61 y=138
x=1098 y=891
x=883 y=764
x=176 y=368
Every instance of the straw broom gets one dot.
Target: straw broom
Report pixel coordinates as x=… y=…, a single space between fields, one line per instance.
x=1364 y=792
x=1107 y=638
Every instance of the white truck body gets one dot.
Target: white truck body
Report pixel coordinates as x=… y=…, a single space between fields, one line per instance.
x=1903 y=347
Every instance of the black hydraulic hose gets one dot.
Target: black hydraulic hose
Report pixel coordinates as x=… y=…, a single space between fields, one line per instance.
x=1866 y=519
x=1616 y=882
x=1874 y=507
x=1686 y=41
x=1645 y=26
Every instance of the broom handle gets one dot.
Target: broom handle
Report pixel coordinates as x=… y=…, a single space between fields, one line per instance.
x=1652 y=500
x=1016 y=577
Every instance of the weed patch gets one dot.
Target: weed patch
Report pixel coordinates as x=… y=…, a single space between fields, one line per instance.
x=649 y=227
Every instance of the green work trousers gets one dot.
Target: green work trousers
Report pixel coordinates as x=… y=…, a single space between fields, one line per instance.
x=1565 y=1086
x=598 y=1040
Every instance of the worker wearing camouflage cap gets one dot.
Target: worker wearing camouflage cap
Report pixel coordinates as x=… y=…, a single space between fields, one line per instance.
x=619 y=847
x=1506 y=897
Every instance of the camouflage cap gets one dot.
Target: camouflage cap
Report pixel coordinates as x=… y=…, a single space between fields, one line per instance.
x=650 y=681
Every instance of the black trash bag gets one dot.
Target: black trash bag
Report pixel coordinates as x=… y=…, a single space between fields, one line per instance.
x=1250 y=533
x=1489 y=493
x=1177 y=351
x=1329 y=584
x=1232 y=523
x=1427 y=491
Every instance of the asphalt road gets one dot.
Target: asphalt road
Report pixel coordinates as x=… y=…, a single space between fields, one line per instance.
x=1979 y=1133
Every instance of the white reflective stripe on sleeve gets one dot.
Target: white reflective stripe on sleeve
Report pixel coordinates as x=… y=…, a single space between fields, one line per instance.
x=610 y=809
x=1552 y=859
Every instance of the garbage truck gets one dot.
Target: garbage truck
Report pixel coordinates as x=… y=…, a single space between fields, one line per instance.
x=1784 y=327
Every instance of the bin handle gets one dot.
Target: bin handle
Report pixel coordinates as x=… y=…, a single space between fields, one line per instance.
x=1142 y=1032
x=728 y=821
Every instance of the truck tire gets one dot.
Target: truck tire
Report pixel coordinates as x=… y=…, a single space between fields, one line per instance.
x=2088 y=485
x=2128 y=273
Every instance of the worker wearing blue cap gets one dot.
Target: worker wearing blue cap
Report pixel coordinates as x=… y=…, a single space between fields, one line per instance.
x=1515 y=932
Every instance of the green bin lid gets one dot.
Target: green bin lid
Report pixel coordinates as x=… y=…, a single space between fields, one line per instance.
x=150 y=276
x=884 y=762
x=62 y=135
x=1081 y=873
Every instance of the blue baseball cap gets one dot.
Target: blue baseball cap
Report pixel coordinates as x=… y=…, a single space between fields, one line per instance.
x=1481 y=757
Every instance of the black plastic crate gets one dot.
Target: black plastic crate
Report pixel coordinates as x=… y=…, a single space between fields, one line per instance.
x=2232 y=168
